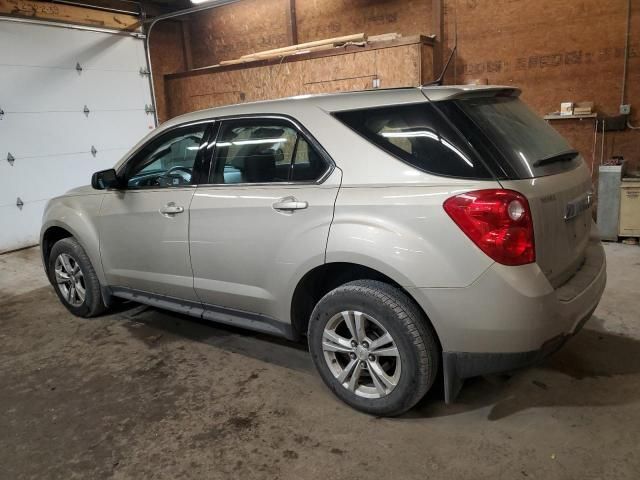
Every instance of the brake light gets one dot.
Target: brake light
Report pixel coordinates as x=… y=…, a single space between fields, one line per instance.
x=498 y=222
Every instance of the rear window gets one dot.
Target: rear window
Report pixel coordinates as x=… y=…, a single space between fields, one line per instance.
x=418 y=135
x=529 y=145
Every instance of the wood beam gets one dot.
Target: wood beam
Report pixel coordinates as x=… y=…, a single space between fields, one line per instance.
x=437 y=27
x=292 y=23
x=69 y=14
x=186 y=45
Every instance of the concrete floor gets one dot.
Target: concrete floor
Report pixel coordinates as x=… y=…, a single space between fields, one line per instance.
x=147 y=394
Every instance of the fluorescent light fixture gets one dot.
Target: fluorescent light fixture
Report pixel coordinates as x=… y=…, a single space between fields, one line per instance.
x=198 y=2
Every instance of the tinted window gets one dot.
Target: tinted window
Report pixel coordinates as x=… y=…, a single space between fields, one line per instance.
x=308 y=165
x=263 y=151
x=167 y=161
x=529 y=144
x=419 y=135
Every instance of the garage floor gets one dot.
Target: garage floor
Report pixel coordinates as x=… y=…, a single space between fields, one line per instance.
x=147 y=394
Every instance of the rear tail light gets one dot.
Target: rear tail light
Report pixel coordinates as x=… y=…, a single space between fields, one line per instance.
x=498 y=222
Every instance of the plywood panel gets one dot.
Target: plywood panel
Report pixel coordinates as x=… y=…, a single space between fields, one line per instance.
x=69 y=14
x=329 y=18
x=234 y=30
x=167 y=56
x=395 y=66
x=554 y=51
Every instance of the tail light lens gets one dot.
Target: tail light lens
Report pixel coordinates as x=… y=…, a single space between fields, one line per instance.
x=498 y=222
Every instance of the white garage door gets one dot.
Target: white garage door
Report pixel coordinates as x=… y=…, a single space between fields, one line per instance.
x=48 y=143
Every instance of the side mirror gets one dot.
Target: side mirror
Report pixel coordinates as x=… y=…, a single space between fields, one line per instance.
x=105 y=179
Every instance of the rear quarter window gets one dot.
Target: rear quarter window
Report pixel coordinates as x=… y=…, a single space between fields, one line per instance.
x=418 y=135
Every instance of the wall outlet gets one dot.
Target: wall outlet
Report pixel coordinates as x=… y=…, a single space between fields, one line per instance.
x=625 y=109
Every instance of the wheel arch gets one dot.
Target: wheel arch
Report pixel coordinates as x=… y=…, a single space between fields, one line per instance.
x=327 y=276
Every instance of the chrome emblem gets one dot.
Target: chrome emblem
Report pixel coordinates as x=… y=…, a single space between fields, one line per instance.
x=578 y=205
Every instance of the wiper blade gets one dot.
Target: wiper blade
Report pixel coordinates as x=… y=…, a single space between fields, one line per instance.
x=559 y=157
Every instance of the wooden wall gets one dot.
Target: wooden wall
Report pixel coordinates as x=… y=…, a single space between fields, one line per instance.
x=555 y=51
x=234 y=30
x=394 y=65
x=167 y=56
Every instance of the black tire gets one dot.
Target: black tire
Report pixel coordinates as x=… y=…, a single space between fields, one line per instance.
x=413 y=336
x=92 y=305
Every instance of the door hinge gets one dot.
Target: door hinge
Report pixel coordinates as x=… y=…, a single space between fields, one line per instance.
x=86 y=110
x=78 y=67
x=144 y=71
x=19 y=203
x=93 y=150
x=1 y=114
x=10 y=159
x=149 y=109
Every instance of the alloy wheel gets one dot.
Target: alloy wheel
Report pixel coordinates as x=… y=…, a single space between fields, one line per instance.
x=70 y=279
x=361 y=354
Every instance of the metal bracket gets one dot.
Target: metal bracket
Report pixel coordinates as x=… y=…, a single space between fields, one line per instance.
x=144 y=71
x=1 y=114
x=86 y=110
x=149 y=109
x=93 y=150
x=19 y=203
x=10 y=159
x=78 y=67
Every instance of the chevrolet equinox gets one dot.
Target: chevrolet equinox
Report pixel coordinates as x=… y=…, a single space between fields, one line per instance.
x=404 y=232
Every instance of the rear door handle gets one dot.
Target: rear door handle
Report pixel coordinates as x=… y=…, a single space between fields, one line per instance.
x=289 y=204
x=171 y=209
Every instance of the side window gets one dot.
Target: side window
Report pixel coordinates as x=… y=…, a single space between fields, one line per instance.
x=418 y=135
x=263 y=151
x=169 y=160
x=308 y=165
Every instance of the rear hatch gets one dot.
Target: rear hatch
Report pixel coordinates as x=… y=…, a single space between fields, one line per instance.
x=529 y=156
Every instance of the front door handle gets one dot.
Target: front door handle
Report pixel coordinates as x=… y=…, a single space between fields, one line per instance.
x=171 y=209
x=289 y=204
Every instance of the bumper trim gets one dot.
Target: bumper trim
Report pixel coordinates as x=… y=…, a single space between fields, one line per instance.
x=457 y=366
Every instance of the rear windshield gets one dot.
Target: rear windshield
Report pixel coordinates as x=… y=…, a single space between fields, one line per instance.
x=419 y=135
x=526 y=145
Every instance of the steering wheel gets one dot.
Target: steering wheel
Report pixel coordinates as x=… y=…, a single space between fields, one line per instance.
x=184 y=173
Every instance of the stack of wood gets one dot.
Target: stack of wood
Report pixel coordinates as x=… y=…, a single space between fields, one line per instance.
x=326 y=44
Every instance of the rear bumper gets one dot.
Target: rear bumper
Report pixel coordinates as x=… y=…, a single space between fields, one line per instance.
x=510 y=317
x=460 y=365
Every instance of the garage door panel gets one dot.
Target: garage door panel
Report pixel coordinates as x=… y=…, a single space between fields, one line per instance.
x=20 y=227
x=63 y=173
x=91 y=49
x=53 y=133
x=44 y=127
x=57 y=89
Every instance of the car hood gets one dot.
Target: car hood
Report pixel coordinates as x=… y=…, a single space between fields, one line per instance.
x=83 y=190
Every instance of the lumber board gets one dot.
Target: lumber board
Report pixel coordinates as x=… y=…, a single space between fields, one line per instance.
x=69 y=14
x=358 y=37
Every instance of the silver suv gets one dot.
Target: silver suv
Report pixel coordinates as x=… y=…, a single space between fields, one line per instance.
x=403 y=232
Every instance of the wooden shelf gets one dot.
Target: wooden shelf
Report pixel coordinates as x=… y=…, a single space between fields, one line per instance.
x=569 y=117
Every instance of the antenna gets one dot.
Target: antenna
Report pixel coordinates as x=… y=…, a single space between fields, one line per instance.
x=438 y=81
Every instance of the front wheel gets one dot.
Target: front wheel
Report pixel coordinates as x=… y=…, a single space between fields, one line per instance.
x=74 y=279
x=373 y=347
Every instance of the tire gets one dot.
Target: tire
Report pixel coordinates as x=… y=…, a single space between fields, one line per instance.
x=383 y=307
x=92 y=304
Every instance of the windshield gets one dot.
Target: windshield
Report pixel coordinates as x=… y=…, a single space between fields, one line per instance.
x=530 y=146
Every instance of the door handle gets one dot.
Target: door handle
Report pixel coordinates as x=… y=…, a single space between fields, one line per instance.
x=289 y=204
x=171 y=209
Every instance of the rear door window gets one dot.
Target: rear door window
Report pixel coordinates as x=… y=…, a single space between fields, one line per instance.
x=420 y=136
x=264 y=151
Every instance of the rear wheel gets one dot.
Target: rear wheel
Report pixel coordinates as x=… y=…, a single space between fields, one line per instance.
x=74 y=279
x=373 y=347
